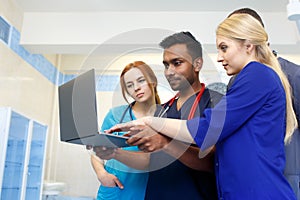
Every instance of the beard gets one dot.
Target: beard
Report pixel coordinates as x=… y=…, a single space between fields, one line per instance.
x=179 y=84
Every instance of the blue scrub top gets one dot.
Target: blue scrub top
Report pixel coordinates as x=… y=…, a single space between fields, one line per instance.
x=134 y=181
x=248 y=128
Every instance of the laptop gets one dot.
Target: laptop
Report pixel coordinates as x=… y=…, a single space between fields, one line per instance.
x=78 y=114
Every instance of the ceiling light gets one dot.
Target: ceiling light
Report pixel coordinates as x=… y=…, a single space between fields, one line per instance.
x=293 y=10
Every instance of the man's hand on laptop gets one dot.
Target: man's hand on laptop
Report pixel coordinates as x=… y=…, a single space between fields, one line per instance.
x=129 y=127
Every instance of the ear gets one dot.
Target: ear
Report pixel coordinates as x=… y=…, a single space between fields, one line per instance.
x=198 y=62
x=153 y=84
x=249 y=47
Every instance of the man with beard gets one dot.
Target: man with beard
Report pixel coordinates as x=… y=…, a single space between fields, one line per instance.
x=176 y=172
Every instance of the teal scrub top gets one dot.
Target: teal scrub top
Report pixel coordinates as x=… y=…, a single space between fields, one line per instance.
x=134 y=181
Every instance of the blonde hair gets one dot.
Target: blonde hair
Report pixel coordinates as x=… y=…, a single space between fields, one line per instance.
x=242 y=28
x=148 y=74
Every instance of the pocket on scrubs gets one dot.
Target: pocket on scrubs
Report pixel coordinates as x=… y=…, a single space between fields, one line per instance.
x=108 y=193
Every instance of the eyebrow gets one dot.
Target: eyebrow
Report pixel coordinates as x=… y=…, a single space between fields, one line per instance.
x=136 y=79
x=222 y=43
x=172 y=60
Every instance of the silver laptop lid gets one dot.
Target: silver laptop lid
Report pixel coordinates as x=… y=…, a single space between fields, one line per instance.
x=77 y=107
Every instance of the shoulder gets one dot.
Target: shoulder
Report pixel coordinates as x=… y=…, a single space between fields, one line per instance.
x=257 y=79
x=218 y=87
x=258 y=74
x=117 y=112
x=256 y=67
x=286 y=64
x=213 y=95
x=291 y=70
x=113 y=116
x=119 y=109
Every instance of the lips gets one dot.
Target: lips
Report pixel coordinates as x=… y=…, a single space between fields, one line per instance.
x=140 y=95
x=173 y=80
x=225 y=66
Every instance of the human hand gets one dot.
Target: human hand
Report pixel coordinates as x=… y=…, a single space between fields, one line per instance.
x=129 y=126
x=89 y=147
x=147 y=139
x=204 y=153
x=110 y=180
x=105 y=153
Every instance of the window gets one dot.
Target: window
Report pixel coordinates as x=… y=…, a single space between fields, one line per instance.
x=4 y=30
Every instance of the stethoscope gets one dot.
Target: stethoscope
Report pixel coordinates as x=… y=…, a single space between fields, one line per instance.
x=129 y=107
x=167 y=106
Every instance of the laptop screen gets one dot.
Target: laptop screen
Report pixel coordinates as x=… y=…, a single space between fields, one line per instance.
x=77 y=107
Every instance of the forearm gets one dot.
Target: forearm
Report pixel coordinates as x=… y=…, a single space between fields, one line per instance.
x=98 y=165
x=106 y=179
x=133 y=159
x=189 y=156
x=173 y=128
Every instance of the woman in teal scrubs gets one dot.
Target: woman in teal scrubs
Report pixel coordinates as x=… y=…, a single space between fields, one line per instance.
x=118 y=181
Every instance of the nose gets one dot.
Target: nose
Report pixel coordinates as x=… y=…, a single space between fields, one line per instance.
x=220 y=57
x=137 y=87
x=170 y=70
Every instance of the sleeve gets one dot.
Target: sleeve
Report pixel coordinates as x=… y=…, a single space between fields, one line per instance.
x=114 y=116
x=245 y=97
x=108 y=121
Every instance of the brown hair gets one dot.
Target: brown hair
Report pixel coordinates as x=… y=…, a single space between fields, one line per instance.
x=148 y=74
x=248 y=11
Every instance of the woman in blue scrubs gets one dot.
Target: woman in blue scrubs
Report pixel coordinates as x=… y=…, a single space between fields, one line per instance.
x=118 y=181
x=249 y=125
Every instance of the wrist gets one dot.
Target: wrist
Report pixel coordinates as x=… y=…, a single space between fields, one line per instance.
x=168 y=147
x=118 y=154
x=102 y=174
x=147 y=120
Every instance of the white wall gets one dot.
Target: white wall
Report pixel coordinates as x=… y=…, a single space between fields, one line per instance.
x=30 y=93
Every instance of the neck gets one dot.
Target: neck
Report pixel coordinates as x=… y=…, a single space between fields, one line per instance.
x=195 y=87
x=144 y=109
x=187 y=93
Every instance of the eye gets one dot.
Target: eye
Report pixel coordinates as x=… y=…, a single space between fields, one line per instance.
x=166 y=65
x=141 y=80
x=223 y=48
x=177 y=63
x=129 y=85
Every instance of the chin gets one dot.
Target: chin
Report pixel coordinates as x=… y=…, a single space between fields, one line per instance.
x=174 y=87
x=230 y=73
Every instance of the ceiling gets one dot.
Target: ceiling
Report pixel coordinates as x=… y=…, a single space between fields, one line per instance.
x=73 y=62
x=153 y=5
